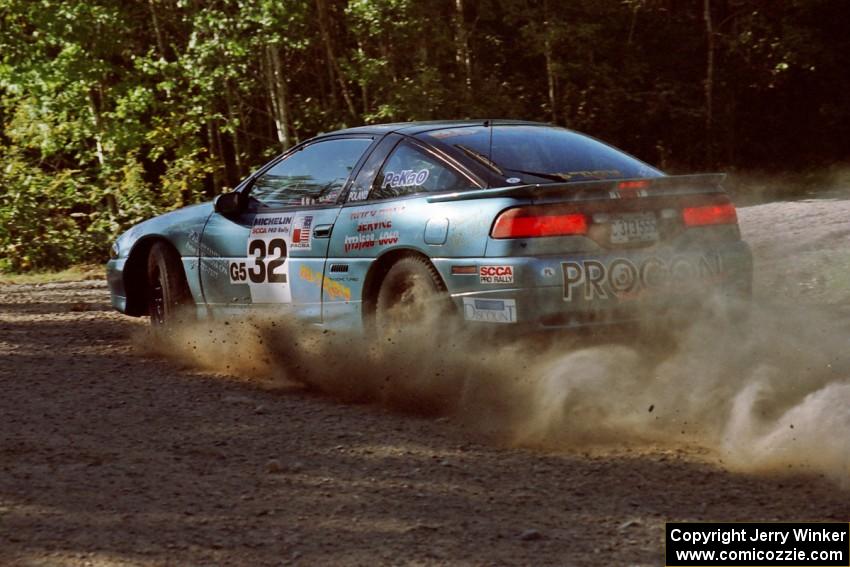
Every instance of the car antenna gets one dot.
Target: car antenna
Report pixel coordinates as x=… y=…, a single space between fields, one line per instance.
x=489 y=123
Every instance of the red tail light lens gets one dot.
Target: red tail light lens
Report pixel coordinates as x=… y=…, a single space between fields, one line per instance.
x=534 y=222
x=710 y=214
x=633 y=185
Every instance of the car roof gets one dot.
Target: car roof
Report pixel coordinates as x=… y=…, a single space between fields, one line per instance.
x=414 y=128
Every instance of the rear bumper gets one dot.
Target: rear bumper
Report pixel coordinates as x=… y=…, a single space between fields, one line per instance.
x=579 y=290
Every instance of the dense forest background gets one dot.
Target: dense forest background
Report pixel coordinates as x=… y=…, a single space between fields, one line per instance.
x=115 y=110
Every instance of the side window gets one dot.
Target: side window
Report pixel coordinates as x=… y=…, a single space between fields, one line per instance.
x=412 y=170
x=313 y=175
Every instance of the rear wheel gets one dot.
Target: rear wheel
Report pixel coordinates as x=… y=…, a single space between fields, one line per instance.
x=169 y=298
x=411 y=295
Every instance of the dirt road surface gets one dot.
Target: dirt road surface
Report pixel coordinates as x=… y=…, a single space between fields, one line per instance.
x=111 y=457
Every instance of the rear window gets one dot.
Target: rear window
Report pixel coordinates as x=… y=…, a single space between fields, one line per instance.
x=411 y=170
x=542 y=154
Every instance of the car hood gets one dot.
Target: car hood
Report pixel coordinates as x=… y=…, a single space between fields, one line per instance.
x=176 y=223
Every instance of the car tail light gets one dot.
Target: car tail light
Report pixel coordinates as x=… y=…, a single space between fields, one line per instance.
x=533 y=222
x=723 y=213
x=633 y=185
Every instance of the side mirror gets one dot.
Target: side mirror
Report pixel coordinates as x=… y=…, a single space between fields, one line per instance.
x=229 y=204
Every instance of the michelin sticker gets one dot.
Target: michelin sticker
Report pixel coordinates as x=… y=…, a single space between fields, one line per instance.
x=496 y=274
x=489 y=310
x=266 y=266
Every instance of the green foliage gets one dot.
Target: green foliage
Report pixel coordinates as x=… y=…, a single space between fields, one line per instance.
x=114 y=111
x=38 y=215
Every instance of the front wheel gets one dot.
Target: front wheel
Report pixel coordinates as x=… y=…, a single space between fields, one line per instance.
x=169 y=298
x=411 y=296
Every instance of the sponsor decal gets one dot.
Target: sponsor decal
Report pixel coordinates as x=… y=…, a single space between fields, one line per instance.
x=333 y=289
x=624 y=278
x=302 y=233
x=266 y=266
x=373 y=229
x=271 y=224
x=496 y=274
x=359 y=194
x=489 y=310
x=375 y=225
x=405 y=178
x=370 y=240
x=211 y=269
x=379 y=213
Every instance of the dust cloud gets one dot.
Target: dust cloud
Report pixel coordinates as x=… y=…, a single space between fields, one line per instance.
x=766 y=391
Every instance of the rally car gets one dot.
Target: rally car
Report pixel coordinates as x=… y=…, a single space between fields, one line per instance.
x=500 y=222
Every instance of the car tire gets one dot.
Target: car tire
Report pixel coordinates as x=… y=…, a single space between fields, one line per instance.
x=169 y=299
x=411 y=295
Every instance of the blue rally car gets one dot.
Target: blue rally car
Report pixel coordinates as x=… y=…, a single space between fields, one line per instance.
x=498 y=222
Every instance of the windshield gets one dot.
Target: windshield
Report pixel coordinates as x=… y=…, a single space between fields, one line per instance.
x=542 y=154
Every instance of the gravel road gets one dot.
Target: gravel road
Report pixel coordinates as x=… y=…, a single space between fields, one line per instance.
x=111 y=456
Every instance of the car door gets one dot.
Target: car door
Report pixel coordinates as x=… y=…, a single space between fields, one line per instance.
x=271 y=255
x=386 y=209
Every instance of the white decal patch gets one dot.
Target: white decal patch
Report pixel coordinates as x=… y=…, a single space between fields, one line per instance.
x=489 y=310
x=302 y=233
x=266 y=267
x=496 y=274
x=405 y=178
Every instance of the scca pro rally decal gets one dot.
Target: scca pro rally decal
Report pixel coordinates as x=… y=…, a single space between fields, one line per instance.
x=624 y=277
x=489 y=310
x=266 y=266
x=496 y=274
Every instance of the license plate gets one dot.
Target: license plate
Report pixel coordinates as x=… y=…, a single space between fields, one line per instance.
x=637 y=227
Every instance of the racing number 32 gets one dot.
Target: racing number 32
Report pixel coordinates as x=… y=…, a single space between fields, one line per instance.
x=261 y=272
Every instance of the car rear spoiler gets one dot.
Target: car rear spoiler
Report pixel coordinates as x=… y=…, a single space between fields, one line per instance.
x=606 y=188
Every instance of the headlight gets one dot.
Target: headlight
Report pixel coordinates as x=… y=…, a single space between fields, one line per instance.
x=113 y=252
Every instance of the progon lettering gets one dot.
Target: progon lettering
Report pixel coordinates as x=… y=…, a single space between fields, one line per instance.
x=624 y=277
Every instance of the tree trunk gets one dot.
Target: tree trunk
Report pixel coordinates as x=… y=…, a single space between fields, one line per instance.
x=709 y=84
x=160 y=44
x=364 y=84
x=462 y=55
x=98 y=128
x=633 y=24
x=276 y=84
x=234 y=128
x=334 y=70
x=216 y=155
x=550 y=64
